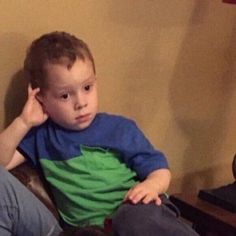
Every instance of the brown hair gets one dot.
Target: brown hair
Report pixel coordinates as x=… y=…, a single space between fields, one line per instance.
x=57 y=48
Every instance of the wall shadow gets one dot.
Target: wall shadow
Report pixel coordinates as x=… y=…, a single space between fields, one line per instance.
x=200 y=92
x=146 y=19
x=15 y=98
x=13 y=90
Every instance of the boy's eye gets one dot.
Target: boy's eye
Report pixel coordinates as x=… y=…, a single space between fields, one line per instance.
x=87 y=87
x=65 y=96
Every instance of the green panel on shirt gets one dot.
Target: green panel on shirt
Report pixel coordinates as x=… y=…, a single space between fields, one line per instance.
x=89 y=187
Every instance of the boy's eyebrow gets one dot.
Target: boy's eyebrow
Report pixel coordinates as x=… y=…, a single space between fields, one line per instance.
x=91 y=78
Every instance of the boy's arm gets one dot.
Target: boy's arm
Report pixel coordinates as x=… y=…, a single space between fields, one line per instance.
x=10 y=138
x=16 y=160
x=149 y=164
x=32 y=115
x=156 y=183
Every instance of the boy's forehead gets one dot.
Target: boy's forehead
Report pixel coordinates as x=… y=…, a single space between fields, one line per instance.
x=80 y=70
x=64 y=62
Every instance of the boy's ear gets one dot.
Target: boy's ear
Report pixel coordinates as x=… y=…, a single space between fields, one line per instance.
x=39 y=97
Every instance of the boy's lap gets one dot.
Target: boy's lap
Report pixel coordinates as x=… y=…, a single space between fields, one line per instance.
x=150 y=219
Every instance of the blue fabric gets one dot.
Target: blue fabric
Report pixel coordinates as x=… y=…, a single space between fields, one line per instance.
x=111 y=132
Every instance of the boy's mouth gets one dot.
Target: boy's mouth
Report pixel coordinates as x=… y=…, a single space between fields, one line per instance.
x=83 y=118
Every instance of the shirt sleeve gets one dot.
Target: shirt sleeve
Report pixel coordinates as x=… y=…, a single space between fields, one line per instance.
x=138 y=153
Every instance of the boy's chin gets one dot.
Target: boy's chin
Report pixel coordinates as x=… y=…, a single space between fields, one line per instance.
x=81 y=127
x=76 y=127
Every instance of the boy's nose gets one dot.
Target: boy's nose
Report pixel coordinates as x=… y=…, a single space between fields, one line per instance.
x=79 y=106
x=80 y=103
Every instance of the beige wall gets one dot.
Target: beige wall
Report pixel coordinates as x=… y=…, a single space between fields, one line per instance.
x=170 y=65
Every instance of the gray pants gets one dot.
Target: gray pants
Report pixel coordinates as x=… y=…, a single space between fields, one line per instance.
x=150 y=220
x=22 y=214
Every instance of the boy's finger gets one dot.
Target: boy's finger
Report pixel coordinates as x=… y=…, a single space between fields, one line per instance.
x=126 y=197
x=137 y=197
x=45 y=116
x=32 y=92
x=147 y=199
x=29 y=88
x=158 y=201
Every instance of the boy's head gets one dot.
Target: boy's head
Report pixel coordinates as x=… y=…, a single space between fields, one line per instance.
x=53 y=48
x=62 y=66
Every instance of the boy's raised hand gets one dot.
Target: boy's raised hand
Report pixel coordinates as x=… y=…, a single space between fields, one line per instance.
x=33 y=113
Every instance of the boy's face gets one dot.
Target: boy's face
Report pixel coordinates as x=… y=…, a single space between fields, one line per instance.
x=70 y=96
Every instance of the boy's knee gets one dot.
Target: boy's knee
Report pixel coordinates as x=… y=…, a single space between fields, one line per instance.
x=138 y=213
x=148 y=219
x=136 y=219
x=4 y=175
x=9 y=185
x=6 y=178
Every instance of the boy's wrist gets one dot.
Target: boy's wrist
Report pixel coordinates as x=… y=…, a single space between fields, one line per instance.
x=23 y=123
x=155 y=185
x=160 y=178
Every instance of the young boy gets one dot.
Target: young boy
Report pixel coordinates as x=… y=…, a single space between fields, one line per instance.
x=98 y=165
